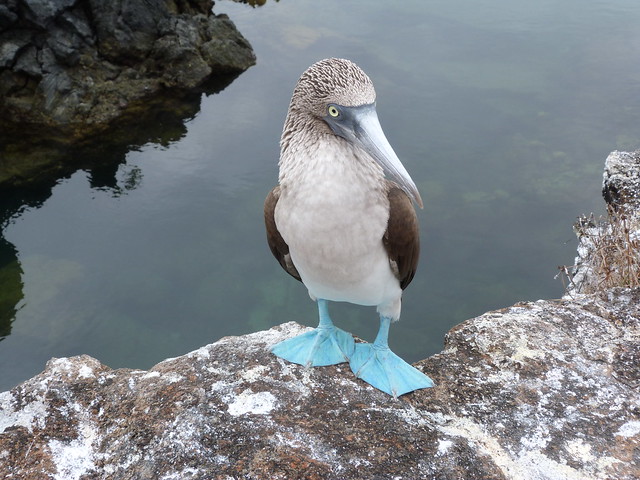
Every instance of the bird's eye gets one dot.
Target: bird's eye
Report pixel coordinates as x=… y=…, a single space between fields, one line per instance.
x=333 y=111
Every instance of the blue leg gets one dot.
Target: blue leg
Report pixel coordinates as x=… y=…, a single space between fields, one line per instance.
x=378 y=366
x=326 y=345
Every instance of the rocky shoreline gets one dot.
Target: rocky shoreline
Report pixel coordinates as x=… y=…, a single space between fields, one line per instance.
x=539 y=390
x=71 y=69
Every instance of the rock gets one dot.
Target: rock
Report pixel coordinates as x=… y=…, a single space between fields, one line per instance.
x=7 y=14
x=44 y=12
x=541 y=390
x=76 y=65
x=71 y=69
x=609 y=249
x=621 y=181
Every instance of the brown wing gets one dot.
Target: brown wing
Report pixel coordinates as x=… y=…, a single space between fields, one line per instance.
x=402 y=238
x=278 y=246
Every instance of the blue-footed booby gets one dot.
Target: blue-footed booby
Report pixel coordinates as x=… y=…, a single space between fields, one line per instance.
x=339 y=225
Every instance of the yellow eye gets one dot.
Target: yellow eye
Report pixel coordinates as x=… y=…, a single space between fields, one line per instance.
x=333 y=111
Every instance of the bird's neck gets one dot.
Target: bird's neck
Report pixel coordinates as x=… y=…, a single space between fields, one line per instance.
x=313 y=155
x=301 y=129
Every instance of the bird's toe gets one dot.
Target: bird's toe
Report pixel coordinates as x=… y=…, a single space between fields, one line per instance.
x=319 y=347
x=384 y=370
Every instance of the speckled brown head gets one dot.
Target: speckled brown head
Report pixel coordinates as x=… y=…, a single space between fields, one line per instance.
x=335 y=97
x=333 y=80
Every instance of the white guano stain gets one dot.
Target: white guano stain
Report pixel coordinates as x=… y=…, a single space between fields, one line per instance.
x=259 y=403
x=32 y=413
x=629 y=429
x=75 y=458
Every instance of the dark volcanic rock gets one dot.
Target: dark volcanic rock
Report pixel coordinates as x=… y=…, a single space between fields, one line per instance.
x=69 y=69
x=543 y=390
x=78 y=64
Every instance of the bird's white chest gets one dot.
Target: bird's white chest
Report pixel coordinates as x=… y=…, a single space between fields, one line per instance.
x=333 y=215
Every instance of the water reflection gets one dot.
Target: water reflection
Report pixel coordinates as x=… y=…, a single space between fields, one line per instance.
x=10 y=286
x=255 y=3
x=30 y=169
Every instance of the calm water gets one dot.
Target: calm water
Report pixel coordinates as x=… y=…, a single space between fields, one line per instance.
x=503 y=112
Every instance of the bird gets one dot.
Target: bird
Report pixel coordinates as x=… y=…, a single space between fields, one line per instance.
x=341 y=220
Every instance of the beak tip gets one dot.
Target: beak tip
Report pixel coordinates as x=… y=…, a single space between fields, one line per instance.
x=417 y=198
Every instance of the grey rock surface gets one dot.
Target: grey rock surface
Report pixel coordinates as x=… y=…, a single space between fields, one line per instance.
x=621 y=181
x=541 y=390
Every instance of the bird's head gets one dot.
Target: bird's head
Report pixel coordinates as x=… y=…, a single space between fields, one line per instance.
x=337 y=97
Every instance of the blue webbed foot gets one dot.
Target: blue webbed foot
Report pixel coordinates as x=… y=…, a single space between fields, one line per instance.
x=326 y=345
x=377 y=365
x=383 y=369
x=320 y=347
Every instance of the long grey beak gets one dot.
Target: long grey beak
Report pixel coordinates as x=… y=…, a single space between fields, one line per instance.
x=360 y=125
